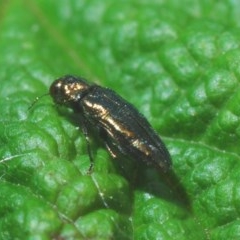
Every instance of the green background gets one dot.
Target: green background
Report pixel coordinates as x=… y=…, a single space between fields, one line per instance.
x=177 y=62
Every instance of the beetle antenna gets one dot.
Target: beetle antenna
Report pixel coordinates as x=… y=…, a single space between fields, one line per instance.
x=36 y=100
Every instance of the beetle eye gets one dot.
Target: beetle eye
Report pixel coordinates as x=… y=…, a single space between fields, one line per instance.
x=57 y=91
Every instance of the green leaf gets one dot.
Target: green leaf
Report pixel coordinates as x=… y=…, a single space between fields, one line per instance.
x=177 y=62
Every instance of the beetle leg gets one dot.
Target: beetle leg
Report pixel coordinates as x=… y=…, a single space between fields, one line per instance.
x=114 y=155
x=107 y=143
x=86 y=135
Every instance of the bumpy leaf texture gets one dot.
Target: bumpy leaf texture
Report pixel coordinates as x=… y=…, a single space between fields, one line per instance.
x=177 y=62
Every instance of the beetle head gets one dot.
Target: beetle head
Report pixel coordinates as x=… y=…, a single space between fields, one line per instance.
x=68 y=89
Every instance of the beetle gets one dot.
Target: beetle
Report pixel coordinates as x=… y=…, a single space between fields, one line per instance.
x=120 y=125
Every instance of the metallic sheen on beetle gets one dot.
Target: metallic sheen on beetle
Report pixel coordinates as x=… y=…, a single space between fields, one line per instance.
x=122 y=128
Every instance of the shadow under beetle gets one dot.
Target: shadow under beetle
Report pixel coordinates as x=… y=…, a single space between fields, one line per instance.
x=122 y=128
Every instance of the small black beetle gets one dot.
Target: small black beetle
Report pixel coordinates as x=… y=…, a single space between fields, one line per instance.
x=123 y=129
